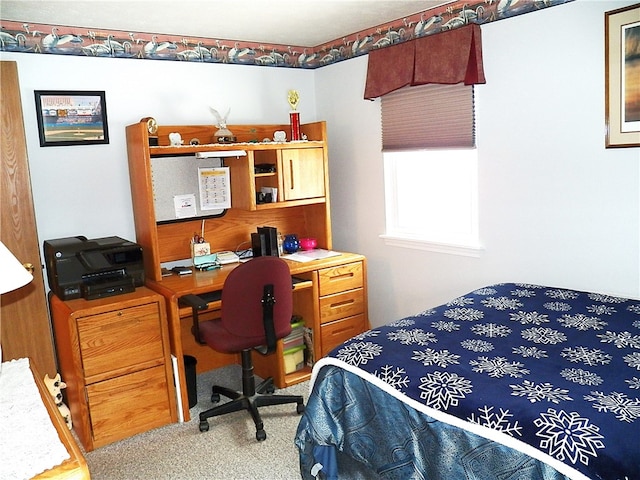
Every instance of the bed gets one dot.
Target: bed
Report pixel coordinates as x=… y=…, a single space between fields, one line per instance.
x=510 y=381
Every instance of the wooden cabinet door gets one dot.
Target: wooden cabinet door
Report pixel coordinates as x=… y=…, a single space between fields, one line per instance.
x=302 y=173
x=25 y=326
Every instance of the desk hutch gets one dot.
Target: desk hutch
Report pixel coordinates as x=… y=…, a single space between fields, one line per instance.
x=330 y=294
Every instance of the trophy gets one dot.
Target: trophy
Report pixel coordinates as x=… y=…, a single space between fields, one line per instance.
x=294 y=116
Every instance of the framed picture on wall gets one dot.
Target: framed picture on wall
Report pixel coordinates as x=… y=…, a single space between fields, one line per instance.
x=622 y=77
x=71 y=117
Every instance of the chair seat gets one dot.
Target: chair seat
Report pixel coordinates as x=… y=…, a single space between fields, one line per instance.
x=219 y=338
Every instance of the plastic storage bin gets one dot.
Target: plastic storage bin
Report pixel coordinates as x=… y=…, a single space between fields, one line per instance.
x=294 y=359
x=296 y=337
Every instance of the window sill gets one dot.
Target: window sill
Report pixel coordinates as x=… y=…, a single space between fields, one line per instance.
x=471 y=250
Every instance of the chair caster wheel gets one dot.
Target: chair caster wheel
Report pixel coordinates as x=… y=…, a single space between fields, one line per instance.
x=300 y=408
x=261 y=435
x=270 y=390
x=204 y=426
x=215 y=397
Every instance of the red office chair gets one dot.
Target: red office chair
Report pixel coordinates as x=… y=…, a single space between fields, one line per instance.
x=257 y=304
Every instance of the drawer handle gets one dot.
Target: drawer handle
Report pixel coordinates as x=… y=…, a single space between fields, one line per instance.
x=340 y=331
x=342 y=276
x=291 y=173
x=342 y=304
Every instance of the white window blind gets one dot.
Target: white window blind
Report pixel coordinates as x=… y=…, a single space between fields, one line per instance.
x=428 y=116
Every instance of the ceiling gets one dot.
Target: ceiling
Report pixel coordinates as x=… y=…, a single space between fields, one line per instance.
x=306 y=23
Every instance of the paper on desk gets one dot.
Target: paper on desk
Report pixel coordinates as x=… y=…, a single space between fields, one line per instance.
x=309 y=255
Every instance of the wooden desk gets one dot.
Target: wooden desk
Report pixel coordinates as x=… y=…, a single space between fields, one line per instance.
x=331 y=299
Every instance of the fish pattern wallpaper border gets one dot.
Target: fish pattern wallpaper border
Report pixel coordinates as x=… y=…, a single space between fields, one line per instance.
x=63 y=40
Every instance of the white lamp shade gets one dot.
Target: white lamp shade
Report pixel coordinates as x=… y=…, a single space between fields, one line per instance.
x=12 y=273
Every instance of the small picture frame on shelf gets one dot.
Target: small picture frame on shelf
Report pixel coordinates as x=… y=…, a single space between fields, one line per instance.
x=71 y=117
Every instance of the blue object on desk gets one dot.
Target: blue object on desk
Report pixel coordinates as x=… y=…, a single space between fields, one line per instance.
x=291 y=244
x=205 y=261
x=208 y=266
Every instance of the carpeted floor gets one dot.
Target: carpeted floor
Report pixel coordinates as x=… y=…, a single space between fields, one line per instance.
x=229 y=450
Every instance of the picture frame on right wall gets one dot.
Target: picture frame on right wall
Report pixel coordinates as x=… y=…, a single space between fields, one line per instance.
x=622 y=77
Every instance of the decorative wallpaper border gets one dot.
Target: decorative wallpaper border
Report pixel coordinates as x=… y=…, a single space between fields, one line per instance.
x=64 y=40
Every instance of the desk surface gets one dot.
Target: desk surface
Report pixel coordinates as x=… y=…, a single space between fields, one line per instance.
x=202 y=282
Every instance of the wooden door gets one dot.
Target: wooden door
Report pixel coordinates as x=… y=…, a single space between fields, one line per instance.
x=24 y=318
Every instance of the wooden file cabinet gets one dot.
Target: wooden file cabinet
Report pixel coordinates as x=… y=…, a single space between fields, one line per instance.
x=341 y=303
x=114 y=357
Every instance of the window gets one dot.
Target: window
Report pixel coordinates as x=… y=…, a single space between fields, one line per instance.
x=431 y=200
x=431 y=168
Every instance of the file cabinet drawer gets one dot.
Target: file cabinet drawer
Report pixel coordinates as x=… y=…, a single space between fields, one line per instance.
x=124 y=406
x=345 y=304
x=335 y=333
x=120 y=339
x=340 y=278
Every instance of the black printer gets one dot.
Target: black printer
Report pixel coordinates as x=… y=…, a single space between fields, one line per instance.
x=90 y=269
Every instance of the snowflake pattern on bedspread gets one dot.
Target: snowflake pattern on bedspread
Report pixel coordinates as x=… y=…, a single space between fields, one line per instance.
x=551 y=367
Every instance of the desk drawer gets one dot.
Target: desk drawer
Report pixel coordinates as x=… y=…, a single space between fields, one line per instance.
x=345 y=304
x=121 y=340
x=335 y=333
x=340 y=278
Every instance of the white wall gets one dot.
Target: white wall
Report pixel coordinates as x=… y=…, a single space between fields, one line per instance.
x=556 y=207
x=84 y=190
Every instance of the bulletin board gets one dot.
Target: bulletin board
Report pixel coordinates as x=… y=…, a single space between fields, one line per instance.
x=187 y=188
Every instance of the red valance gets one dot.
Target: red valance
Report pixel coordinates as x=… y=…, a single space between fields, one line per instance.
x=448 y=58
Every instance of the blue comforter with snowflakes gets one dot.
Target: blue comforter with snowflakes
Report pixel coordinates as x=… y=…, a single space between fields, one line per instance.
x=548 y=372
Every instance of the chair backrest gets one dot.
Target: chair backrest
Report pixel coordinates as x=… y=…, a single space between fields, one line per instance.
x=242 y=308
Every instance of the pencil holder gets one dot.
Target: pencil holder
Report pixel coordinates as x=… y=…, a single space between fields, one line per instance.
x=200 y=249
